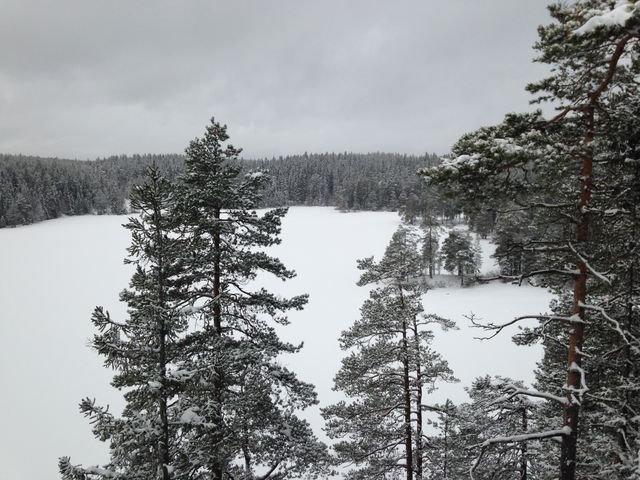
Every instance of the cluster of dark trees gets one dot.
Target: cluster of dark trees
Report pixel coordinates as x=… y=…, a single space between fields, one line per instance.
x=33 y=189
x=348 y=181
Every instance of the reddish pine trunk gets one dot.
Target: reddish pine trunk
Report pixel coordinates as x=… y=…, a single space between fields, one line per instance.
x=576 y=336
x=445 y=460
x=523 y=449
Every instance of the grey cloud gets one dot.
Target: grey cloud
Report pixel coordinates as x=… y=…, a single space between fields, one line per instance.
x=87 y=78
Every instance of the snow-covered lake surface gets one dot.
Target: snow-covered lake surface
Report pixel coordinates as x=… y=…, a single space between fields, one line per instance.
x=53 y=274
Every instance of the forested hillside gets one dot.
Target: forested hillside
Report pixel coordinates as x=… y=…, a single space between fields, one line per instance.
x=33 y=189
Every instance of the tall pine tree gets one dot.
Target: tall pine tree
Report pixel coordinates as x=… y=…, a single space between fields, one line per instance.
x=572 y=174
x=239 y=407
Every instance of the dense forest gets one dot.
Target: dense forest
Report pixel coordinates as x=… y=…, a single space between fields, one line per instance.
x=34 y=189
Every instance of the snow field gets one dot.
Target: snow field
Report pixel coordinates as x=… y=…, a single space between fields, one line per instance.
x=52 y=276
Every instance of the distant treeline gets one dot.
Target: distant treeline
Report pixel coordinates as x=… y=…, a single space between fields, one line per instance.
x=33 y=189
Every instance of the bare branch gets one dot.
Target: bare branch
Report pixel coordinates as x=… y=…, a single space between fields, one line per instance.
x=500 y=327
x=564 y=431
x=589 y=267
x=514 y=391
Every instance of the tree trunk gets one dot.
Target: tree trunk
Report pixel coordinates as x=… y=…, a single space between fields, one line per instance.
x=418 y=407
x=445 y=460
x=576 y=335
x=163 y=443
x=431 y=252
x=217 y=467
x=523 y=449
x=407 y=393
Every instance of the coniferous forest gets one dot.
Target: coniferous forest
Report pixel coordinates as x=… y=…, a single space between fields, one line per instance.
x=33 y=189
x=198 y=358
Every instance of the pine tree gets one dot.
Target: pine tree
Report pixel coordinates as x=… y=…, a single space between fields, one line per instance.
x=239 y=406
x=568 y=173
x=207 y=396
x=389 y=370
x=143 y=441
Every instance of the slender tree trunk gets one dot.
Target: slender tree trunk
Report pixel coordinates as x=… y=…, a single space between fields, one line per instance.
x=217 y=467
x=576 y=336
x=523 y=449
x=431 y=252
x=407 y=393
x=163 y=443
x=418 y=407
x=248 y=475
x=163 y=446
x=445 y=459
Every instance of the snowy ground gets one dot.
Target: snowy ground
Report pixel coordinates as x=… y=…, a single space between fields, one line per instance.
x=54 y=273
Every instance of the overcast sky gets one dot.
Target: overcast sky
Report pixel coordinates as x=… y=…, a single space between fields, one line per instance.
x=92 y=78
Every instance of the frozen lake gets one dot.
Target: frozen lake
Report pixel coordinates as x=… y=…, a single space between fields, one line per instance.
x=54 y=273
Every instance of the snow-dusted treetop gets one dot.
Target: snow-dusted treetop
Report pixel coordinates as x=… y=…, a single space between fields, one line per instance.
x=499 y=146
x=618 y=16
